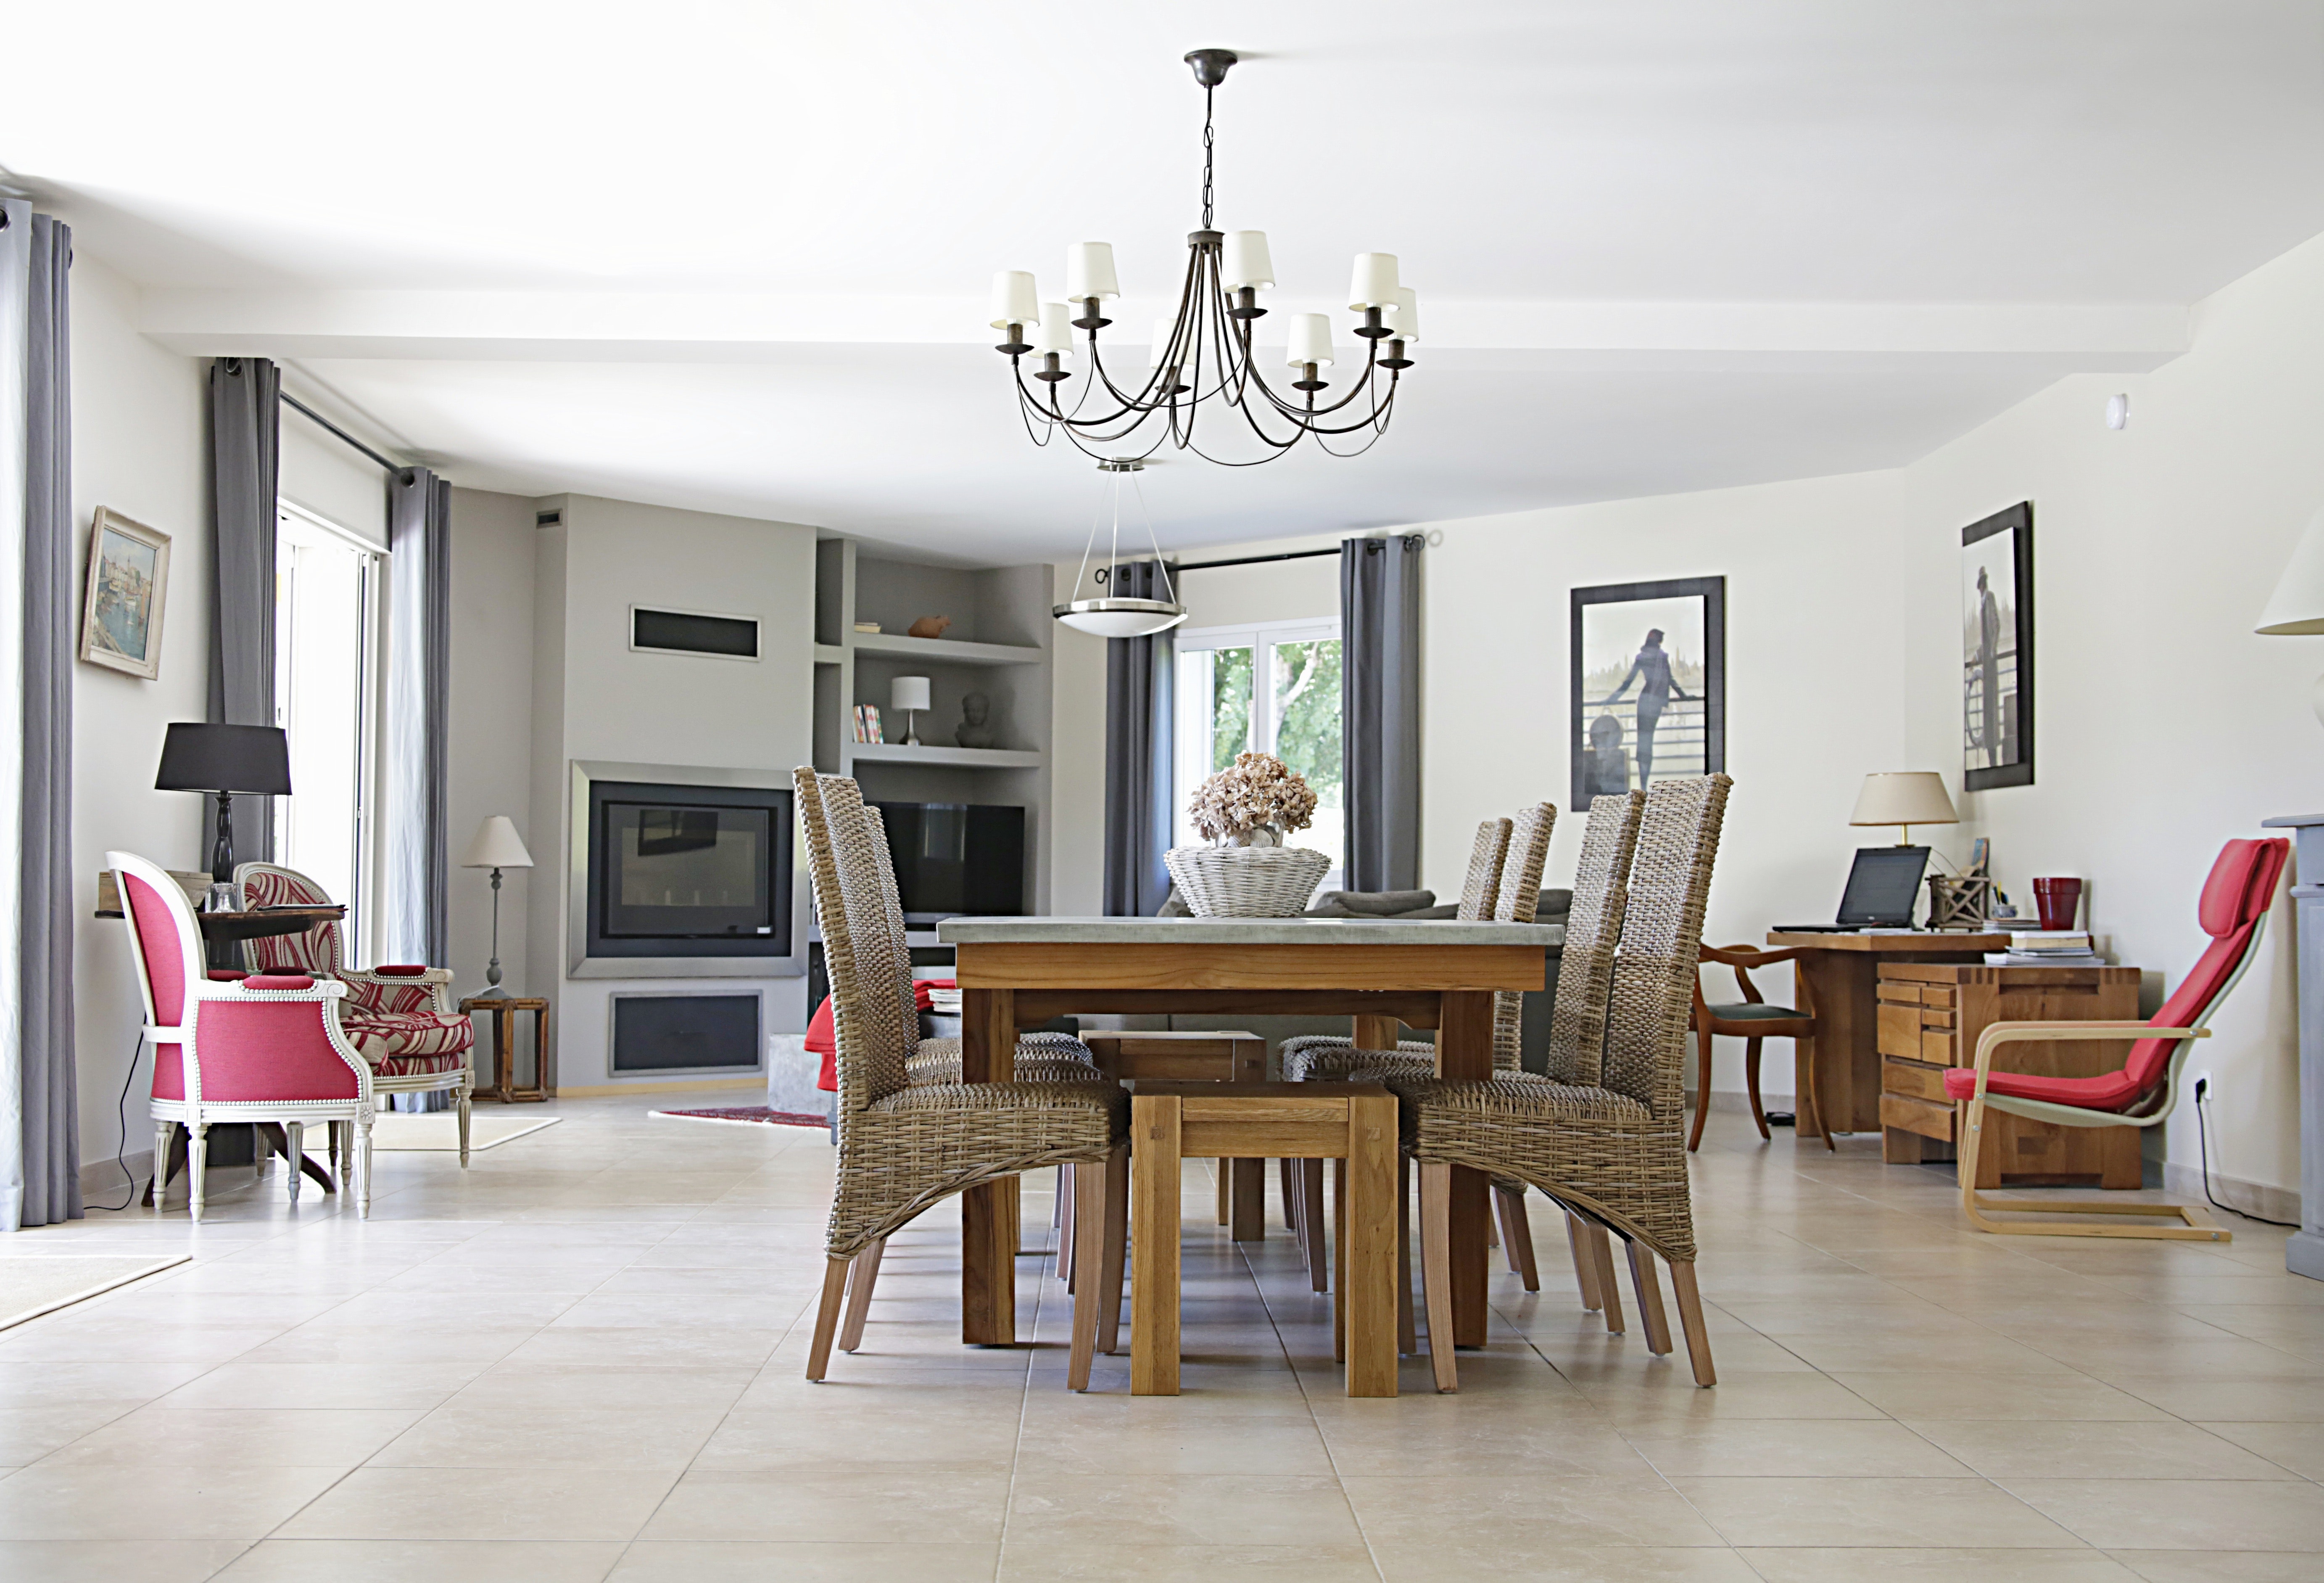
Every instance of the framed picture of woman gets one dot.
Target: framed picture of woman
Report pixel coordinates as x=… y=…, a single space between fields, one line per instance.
x=1648 y=679
x=128 y=586
x=1997 y=650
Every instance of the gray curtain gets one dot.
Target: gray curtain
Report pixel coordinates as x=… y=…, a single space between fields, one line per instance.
x=1138 y=755
x=1380 y=632
x=41 y=1183
x=419 y=681
x=245 y=455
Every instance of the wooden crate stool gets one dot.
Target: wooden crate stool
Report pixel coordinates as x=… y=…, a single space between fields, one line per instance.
x=1219 y=1056
x=1351 y=1122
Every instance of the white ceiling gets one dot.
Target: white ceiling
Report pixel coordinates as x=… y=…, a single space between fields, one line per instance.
x=733 y=255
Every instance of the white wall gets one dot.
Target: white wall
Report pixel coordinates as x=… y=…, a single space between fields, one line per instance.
x=489 y=766
x=331 y=479
x=594 y=699
x=138 y=443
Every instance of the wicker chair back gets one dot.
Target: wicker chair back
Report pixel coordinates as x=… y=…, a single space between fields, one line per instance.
x=1653 y=985
x=866 y=1029
x=1577 y=1029
x=1482 y=889
x=1517 y=900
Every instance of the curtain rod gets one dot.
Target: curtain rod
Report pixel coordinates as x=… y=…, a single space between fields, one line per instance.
x=295 y=404
x=1254 y=559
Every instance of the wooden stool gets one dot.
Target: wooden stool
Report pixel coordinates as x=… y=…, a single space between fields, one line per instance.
x=503 y=1010
x=1209 y=1056
x=1352 y=1122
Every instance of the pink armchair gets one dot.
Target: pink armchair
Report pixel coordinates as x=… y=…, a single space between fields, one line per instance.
x=400 y=1019
x=267 y=1048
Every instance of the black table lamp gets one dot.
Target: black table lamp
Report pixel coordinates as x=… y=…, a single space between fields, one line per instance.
x=223 y=760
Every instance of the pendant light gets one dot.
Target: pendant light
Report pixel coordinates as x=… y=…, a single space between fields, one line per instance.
x=1109 y=615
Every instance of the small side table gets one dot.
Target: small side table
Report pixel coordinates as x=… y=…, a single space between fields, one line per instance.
x=503 y=1009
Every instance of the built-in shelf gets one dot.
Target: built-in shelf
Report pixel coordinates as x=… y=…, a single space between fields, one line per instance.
x=944 y=648
x=829 y=654
x=981 y=758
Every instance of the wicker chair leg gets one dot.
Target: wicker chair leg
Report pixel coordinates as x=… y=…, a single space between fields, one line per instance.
x=1225 y=1169
x=1751 y=1081
x=1283 y=1169
x=1649 y=1288
x=1701 y=1085
x=1436 y=1269
x=1690 y=1319
x=863 y=1274
x=826 y=1317
x=1114 y=1251
x=1585 y=1264
x=1340 y=1258
x=1407 y=1327
x=1516 y=1236
x=1312 y=1239
x=1601 y=1257
x=1089 y=1227
x=1061 y=1220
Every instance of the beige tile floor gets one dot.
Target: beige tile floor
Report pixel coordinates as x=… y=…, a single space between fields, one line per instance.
x=581 y=1361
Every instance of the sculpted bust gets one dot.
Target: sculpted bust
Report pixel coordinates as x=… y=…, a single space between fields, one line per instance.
x=975 y=712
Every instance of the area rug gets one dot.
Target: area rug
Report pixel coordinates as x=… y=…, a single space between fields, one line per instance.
x=749 y=1116
x=36 y=1285
x=437 y=1132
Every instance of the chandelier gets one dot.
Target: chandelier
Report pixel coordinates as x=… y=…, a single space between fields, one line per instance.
x=1112 y=614
x=1205 y=354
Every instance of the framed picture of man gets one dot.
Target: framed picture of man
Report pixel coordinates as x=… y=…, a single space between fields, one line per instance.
x=1648 y=685
x=128 y=585
x=1997 y=650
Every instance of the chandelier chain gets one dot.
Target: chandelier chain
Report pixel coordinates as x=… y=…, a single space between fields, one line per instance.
x=1206 y=159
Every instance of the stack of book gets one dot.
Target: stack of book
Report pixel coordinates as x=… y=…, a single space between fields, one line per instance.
x=867 y=723
x=2047 y=948
x=945 y=1002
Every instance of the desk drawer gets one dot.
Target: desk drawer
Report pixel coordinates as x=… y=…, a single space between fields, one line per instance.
x=1909 y=1115
x=1916 y=1079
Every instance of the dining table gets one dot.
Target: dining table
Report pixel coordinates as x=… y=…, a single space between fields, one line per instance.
x=1439 y=974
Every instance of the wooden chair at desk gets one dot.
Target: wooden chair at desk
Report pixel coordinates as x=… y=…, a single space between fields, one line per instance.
x=1751 y=1020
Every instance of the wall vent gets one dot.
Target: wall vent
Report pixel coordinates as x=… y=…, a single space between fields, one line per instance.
x=693 y=632
x=548 y=519
x=687 y=1033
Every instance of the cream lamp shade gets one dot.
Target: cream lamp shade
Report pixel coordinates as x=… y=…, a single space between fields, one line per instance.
x=909 y=692
x=497 y=846
x=1906 y=798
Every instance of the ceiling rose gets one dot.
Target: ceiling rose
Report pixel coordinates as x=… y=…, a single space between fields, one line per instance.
x=1203 y=359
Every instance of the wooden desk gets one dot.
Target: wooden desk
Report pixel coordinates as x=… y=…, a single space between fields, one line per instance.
x=1018 y=972
x=1837 y=982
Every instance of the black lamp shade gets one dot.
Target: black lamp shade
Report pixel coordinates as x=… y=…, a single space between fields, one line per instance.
x=196 y=757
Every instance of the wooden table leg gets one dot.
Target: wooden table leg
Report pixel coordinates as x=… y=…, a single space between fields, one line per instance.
x=1369 y=1272
x=1154 y=1245
x=1464 y=1052
x=1842 y=1057
x=503 y=1077
x=988 y=1250
x=1246 y=1199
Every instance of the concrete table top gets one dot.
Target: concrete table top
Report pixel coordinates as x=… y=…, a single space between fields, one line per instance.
x=1245 y=932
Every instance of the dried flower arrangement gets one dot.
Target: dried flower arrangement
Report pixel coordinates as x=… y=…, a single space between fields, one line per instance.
x=1256 y=802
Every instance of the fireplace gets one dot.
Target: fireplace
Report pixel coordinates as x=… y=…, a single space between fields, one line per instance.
x=681 y=877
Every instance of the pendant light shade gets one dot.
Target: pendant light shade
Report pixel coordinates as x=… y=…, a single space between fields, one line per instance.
x=1121 y=617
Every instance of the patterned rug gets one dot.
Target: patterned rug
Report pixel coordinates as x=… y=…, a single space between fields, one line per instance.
x=749 y=1116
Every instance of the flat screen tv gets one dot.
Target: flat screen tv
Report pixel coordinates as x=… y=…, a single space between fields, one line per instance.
x=956 y=859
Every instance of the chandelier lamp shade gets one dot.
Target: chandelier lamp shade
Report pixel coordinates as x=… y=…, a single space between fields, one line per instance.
x=1110 y=614
x=1204 y=358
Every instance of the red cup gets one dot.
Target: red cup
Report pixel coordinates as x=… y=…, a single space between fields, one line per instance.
x=2059 y=900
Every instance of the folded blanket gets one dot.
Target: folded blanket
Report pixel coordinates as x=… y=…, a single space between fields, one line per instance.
x=1377 y=903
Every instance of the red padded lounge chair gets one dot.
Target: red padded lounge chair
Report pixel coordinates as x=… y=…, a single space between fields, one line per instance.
x=2233 y=913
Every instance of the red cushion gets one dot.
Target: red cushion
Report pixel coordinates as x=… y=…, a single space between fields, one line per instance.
x=398 y=971
x=227 y=975
x=2236 y=895
x=276 y=981
x=823 y=1039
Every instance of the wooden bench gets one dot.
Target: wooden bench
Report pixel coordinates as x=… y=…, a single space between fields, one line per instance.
x=1352 y=1122
x=1214 y=1057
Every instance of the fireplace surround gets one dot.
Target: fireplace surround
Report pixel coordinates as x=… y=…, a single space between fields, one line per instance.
x=681 y=871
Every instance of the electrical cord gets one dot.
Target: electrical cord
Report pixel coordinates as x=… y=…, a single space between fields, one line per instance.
x=121 y=1115
x=2203 y=1143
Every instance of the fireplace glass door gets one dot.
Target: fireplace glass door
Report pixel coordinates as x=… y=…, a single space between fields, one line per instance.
x=689 y=870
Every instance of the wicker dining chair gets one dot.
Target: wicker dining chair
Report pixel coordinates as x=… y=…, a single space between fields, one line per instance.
x=1615 y=1150
x=904 y=1148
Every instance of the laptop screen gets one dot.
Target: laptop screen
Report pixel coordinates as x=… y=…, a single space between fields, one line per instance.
x=1882 y=885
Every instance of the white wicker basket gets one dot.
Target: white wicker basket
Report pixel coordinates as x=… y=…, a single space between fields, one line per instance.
x=1247 y=882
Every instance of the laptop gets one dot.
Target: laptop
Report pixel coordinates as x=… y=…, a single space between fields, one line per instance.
x=1882 y=888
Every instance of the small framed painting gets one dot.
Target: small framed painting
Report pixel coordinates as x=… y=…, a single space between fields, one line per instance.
x=128 y=584
x=1997 y=650
x=1648 y=680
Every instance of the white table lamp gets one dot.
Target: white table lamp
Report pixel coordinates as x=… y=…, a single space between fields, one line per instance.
x=497 y=846
x=1908 y=798
x=910 y=694
x=2296 y=609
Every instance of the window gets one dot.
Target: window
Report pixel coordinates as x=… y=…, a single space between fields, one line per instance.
x=1273 y=688
x=326 y=604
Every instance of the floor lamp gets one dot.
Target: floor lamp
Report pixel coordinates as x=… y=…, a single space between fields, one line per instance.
x=497 y=846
